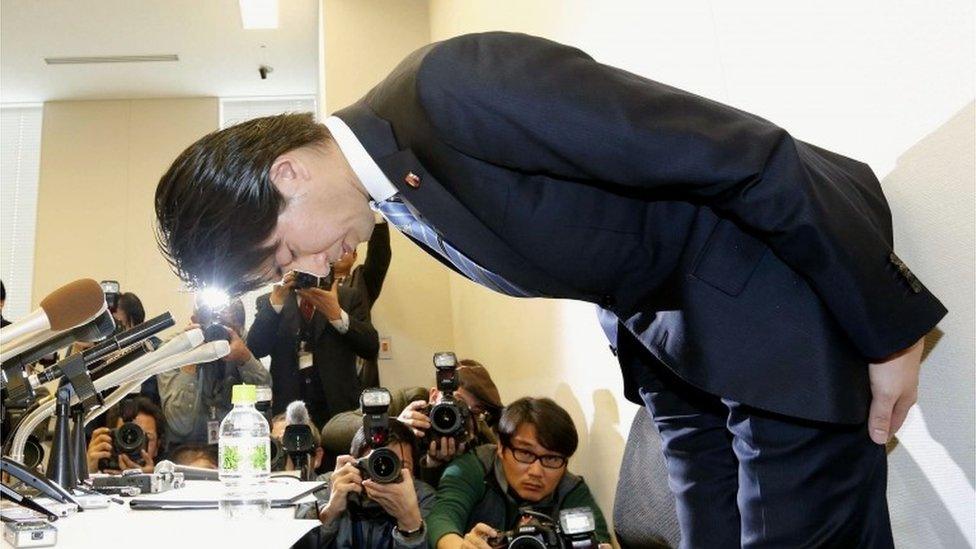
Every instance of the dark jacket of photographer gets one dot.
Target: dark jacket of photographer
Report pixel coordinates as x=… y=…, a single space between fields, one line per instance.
x=474 y=489
x=349 y=533
x=431 y=474
x=334 y=353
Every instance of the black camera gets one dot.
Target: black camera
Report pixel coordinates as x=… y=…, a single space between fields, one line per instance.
x=305 y=280
x=449 y=417
x=208 y=317
x=299 y=444
x=128 y=439
x=382 y=465
x=575 y=530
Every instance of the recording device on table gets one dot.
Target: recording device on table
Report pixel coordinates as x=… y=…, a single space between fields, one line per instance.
x=128 y=439
x=382 y=465
x=29 y=533
x=449 y=417
x=133 y=482
x=574 y=530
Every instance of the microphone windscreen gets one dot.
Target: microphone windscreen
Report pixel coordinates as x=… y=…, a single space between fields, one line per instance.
x=297 y=414
x=73 y=304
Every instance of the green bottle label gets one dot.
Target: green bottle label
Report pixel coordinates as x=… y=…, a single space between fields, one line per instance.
x=244 y=455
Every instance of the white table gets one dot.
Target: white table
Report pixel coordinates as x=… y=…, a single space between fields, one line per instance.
x=117 y=524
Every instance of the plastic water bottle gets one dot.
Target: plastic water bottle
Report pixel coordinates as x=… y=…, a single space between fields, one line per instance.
x=245 y=447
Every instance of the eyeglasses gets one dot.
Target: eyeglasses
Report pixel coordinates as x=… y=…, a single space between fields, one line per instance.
x=549 y=461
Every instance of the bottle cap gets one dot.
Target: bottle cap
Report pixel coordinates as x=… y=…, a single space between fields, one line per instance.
x=244 y=394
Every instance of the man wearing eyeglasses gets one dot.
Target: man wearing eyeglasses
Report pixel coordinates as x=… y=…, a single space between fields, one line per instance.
x=484 y=492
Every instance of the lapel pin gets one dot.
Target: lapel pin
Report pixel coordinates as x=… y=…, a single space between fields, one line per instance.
x=412 y=179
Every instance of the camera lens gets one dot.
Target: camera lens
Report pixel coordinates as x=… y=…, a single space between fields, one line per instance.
x=526 y=542
x=445 y=418
x=384 y=466
x=129 y=438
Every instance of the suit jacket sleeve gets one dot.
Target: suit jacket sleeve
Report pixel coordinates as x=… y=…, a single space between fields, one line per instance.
x=361 y=336
x=261 y=336
x=820 y=213
x=377 y=262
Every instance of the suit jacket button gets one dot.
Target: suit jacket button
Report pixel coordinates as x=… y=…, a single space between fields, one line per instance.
x=412 y=179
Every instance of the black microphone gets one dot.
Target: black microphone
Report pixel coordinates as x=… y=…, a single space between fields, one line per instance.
x=131 y=336
x=98 y=329
x=75 y=367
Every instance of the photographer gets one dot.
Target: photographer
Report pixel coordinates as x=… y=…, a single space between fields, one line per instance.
x=477 y=390
x=314 y=336
x=101 y=447
x=482 y=492
x=197 y=397
x=403 y=505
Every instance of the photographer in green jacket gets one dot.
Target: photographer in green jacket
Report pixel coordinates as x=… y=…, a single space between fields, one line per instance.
x=484 y=492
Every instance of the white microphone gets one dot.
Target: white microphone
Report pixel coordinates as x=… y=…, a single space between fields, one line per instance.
x=207 y=352
x=69 y=306
x=173 y=354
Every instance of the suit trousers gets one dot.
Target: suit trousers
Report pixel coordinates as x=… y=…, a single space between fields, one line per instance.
x=743 y=477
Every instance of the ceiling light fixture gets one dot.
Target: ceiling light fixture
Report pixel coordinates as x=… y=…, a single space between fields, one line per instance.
x=110 y=59
x=259 y=14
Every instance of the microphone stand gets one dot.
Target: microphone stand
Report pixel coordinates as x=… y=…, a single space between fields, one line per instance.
x=61 y=467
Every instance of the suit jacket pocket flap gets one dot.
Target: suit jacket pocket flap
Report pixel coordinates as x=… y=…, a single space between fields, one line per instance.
x=729 y=258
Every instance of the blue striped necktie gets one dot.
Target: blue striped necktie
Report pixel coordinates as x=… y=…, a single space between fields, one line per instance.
x=403 y=218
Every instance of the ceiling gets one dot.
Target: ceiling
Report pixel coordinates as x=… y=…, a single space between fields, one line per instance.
x=217 y=57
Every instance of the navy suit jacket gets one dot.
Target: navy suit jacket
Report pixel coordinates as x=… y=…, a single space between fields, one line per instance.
x=756 y=266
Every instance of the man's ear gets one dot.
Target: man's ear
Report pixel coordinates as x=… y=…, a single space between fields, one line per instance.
x=288 y=172
x=319 y=454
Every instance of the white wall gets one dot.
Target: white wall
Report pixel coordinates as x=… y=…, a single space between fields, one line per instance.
x=363 y=41
x=887 y=83
x=100 y=163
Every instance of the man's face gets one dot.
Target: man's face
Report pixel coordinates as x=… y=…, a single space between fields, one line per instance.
x=326 y=212
x=121 y=318
x=532 y=482
x=148 y=425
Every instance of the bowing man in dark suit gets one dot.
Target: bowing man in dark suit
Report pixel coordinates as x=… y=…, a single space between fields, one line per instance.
x=747 y=280
x=314 y=337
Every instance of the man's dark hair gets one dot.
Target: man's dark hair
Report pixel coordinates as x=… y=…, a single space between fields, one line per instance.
x=216 y=207
x=132 y=305
x=3 y=292
x=142 y=406
x=398 y=432
x=553 y=426
x=188 y=453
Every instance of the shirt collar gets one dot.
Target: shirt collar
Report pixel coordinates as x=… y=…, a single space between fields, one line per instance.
x=363 y=165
